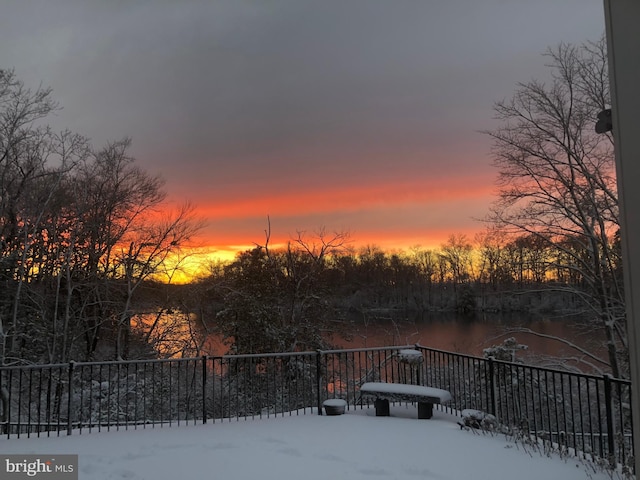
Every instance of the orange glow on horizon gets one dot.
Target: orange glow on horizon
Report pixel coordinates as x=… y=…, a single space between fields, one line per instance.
x=392 y=217
x=196 y=262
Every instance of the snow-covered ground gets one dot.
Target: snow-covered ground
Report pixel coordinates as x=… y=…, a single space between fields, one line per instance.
x=357 y=445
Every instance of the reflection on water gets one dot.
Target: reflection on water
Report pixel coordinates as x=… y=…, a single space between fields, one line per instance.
x=470 y=335
x=171 y=333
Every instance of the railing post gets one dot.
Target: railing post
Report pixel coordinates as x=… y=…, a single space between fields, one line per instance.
x=492 y=386
x=204 y=389
x=4 y=402
x=608 y=402
x=69 y=399
x=319 y=381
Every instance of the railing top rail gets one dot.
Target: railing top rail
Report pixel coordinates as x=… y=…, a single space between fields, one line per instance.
x=153 y=360
x=527 y=366
x=40 y=366
x=587 y=376
x=448 y=352
x=368 y=349
x=264 y=355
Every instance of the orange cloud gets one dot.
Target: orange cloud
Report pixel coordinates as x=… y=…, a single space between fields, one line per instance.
x=345 y=199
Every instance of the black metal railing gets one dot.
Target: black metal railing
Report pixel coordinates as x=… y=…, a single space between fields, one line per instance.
x=586 y=413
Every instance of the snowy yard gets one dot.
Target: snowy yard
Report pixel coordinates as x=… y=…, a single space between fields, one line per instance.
x=356 y=445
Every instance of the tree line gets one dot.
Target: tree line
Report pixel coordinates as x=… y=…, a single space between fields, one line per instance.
x=297 y=297
x=85 y=236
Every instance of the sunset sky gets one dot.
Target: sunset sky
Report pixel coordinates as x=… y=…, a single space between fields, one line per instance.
x=352 y=115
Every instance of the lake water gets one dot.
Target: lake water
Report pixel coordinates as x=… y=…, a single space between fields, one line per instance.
x=470 y=335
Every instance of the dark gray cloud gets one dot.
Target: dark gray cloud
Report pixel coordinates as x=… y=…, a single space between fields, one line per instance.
x=223 y=94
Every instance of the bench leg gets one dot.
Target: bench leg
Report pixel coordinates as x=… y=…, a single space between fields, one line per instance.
x=425 y=410
x=382 y=407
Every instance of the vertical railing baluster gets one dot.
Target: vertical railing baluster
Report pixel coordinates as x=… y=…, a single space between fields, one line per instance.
x=283 y=388
x=589 y=402
x=351 y=386
x=582 y=429
x=39 y=401
x=492 y=387
x=236 y=378
x=572 y=409
x=620 y=428
x=127 y=390
x=213 y=388
x=228 y=389
x=170 y=390
x=609 y=417
x=319 y=357
x=70 y=398
x=19 y=422
x=30 y=401
x=203 y=389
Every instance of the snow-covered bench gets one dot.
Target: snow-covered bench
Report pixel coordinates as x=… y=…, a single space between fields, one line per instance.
x=400 y=392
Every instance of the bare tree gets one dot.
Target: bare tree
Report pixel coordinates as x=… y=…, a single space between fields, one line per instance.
x=80 y=231
x=557 y=180
x=33 y=162
x=143 y=253
x=493 y=262
x=456 y=256
x=278 y=299
x=426 y=263
x=322 y=244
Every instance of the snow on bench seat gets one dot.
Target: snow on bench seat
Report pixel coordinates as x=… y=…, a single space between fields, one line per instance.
x=424 y=396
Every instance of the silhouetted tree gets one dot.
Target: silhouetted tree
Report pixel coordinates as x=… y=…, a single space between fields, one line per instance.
x=277 y=300
x=557 y=180
x=80 y=231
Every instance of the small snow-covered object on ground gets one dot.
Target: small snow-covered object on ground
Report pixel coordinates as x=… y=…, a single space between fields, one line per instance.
x=334 y=406
x=478 y=419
